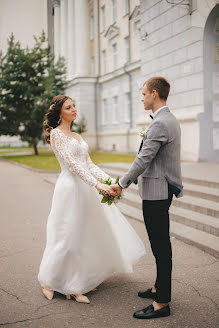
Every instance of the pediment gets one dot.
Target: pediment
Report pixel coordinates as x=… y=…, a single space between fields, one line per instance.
x=135 y=13
x=111 y=32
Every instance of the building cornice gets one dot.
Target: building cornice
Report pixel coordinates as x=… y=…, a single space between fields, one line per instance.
x=135 y=15
x=111 y=32
x=120 y=71
x=81 y=79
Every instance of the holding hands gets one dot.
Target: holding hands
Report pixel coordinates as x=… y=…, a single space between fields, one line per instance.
x=117 y=189
x=109 y=191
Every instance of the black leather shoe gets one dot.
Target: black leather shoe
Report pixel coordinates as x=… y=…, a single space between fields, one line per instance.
x=150 y=313
x=147 y=294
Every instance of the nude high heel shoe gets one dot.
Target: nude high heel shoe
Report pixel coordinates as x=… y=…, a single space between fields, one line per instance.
x=48 y=293
x=79 y=298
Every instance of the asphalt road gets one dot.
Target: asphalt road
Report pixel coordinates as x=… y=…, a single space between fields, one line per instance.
x=25 y=200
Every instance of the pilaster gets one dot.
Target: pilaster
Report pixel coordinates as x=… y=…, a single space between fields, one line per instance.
x=56 y=29
x=82 y=44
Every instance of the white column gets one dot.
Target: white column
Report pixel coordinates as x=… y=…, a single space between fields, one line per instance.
x=56 y=30
x=96 y=37
x=63 y=22
x=71 y=43
x=82 y=41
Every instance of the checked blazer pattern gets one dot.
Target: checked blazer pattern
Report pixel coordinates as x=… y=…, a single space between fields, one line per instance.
x=158 y=165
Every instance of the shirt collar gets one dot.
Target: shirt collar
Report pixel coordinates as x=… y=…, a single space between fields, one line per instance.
x=157 y=111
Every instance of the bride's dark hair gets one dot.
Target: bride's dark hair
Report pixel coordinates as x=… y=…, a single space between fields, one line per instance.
x=52 y=117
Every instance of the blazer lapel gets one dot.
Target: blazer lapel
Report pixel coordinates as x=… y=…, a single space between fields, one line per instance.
x=140 y=146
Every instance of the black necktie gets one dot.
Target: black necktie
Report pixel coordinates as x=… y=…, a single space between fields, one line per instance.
x=151 y=117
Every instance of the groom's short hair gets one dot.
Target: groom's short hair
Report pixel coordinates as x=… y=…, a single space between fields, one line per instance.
x=160 y=84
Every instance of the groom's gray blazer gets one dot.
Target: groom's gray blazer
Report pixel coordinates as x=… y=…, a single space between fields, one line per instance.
x=158 y=162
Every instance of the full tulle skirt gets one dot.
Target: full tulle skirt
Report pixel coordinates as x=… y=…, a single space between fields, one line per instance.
x=87 y=241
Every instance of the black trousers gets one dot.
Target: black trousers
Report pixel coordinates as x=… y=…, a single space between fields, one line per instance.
x=156 y=218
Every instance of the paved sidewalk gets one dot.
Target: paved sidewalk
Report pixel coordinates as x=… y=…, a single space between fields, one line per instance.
x=25 y=200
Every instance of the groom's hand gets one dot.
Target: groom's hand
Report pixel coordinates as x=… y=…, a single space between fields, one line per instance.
x=117 y=189
x=106 y=188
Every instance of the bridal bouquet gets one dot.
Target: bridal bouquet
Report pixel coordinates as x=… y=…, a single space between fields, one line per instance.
x=109 y=199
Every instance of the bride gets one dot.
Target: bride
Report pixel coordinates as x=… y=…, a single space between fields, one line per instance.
x=87 y=241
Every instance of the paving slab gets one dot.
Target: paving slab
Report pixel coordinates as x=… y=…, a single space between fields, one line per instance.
x=25 y=199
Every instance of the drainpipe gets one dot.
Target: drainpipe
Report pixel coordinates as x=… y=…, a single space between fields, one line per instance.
x=97 y=69
x=130 y=82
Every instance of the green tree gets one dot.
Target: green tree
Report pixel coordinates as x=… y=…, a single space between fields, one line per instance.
x=29 y=79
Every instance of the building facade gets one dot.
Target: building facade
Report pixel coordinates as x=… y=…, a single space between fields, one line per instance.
x=112 y=46
x=100 y=42
x=182 y=44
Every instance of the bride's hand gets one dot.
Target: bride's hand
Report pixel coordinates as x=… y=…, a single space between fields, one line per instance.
x=106 y=188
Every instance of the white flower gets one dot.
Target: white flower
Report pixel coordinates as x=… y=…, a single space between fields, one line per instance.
x=143 y=133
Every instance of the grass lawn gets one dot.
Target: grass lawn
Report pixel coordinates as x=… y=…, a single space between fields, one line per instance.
x=11 y=150
x=46 y=160
x=17 y=148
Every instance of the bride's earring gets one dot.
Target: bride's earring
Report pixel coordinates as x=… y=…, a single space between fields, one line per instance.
x=59 y=121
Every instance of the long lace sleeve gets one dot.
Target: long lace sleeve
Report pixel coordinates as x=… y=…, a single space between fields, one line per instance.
x=96 y=171
x=59 y=145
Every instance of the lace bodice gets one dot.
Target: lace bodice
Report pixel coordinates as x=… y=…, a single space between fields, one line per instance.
x=73 y=156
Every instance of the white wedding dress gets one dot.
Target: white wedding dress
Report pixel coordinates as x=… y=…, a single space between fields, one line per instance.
x=87 y=241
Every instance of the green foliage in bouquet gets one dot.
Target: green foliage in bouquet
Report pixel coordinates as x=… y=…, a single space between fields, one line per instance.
x=108 y=199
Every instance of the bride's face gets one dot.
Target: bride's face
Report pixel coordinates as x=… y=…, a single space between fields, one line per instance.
x=68 y=111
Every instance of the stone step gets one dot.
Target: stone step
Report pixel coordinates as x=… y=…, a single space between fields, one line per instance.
x=202 y=240
x=193 y=228
x=195 y=220
x=118 y=169
x=201 y=182
x=194 y=190
x=202 y=206
x=189 y=189
x=190 y=218
x=195 y=204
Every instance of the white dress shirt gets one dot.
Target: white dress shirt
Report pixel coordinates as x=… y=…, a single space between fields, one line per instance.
x=157 y=111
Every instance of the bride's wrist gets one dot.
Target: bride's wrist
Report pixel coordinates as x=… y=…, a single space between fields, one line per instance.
x=96 y=186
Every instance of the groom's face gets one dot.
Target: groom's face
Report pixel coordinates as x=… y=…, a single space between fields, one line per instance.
x=147 y=98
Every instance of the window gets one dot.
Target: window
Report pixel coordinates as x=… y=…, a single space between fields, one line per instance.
x=103 y=71
x=127 y=49
x=93 y=66
x=113 y=11
x=115 y=110
x=114 y=56
x=104 y=112
x=102 y=19
x=127 y=107
x=91 y=28
x=125 y=7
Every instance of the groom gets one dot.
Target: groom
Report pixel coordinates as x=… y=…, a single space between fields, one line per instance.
x=158 y=168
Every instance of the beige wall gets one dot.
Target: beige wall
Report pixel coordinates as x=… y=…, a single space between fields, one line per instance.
x=122 y=22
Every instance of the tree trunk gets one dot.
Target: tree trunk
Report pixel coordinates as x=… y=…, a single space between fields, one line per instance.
x=35 y=148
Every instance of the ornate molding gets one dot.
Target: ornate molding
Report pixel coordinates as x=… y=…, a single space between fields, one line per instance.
x=111 y=32
x=135 y=15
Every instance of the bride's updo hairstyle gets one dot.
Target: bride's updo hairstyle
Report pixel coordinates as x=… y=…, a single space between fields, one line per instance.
x=52 y=117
